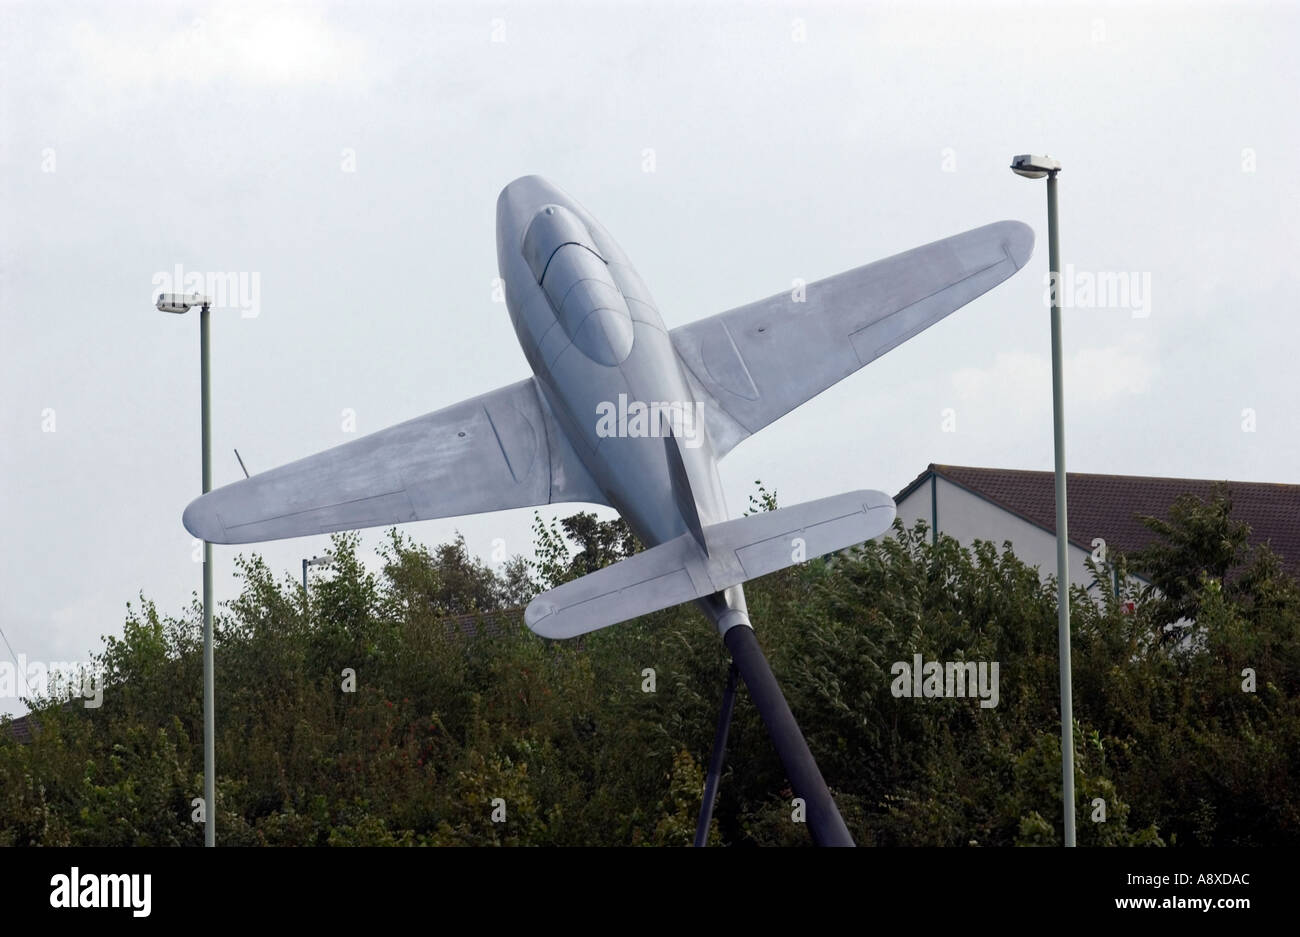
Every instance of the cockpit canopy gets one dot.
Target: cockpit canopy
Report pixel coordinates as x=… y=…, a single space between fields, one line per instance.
x=588 y=304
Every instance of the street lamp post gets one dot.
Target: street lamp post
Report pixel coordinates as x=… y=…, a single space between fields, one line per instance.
x=181 y=303
x=1036 y=167
x=314 y=561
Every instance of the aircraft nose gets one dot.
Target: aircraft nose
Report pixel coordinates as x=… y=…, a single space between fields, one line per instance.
x=522 y=199
x=518 y=203
x=533 y=184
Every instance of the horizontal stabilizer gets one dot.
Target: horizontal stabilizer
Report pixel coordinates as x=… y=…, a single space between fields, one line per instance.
x=680 y=571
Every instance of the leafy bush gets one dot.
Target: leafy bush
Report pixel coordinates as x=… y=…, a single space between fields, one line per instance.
x=455 y=710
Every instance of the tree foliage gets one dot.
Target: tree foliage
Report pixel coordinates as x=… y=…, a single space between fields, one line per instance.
x=456 y=711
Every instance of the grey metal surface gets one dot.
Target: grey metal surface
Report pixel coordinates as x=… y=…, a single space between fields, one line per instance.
x=593 y=336
x=493 y=452
x=1062 y=533
x=681 y=571
x=591 y=310
x=633 y=471
x=209 y=665
x=758 y=362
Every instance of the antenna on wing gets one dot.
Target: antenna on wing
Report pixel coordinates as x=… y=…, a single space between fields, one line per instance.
x=241 y=463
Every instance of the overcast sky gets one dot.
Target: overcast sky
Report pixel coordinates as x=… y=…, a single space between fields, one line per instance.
x=346 y=159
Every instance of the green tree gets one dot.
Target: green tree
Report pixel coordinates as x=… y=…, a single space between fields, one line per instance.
x=365 y=713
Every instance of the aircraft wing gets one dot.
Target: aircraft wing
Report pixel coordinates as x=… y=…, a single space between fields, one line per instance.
x=501 y=450
x=756 y=363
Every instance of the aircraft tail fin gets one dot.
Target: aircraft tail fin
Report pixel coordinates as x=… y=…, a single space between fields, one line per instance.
x=682 y=492
x=735 y=551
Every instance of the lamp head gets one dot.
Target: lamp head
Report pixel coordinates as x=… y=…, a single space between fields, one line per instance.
x=181 y=303
x=1034 y=167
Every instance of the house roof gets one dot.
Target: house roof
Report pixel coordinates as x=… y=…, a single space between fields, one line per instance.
x=1108 y=506
x=20 y=728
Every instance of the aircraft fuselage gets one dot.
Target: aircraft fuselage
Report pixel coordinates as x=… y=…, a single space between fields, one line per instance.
x=604 y=361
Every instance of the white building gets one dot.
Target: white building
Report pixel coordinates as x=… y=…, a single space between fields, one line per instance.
x=1000 y=505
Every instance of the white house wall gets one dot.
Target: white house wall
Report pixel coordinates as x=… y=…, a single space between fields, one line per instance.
x=966 y=517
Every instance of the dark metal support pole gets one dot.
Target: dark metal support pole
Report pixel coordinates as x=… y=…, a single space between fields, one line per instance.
x=824 y=821
x=715 y=760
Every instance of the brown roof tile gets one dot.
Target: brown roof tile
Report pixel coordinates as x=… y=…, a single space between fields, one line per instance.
x=20 y=728
x=1108 y=506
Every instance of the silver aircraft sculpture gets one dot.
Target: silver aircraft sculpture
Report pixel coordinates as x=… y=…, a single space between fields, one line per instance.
x=623 y=411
